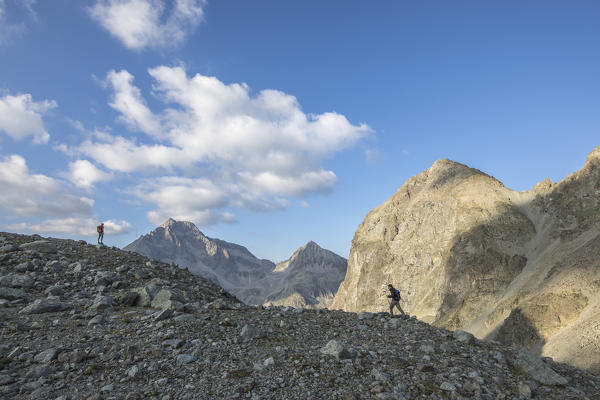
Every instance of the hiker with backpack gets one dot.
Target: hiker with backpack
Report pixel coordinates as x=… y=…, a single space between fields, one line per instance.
x=395 y=302
x=100 y=230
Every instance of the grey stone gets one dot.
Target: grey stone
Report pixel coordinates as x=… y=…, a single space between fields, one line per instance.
x=174 y=343
x=12 y=294
x=41 y=306
x=102 y=303
x=8 y=248
x=163 y=314
x=40 y=371
x=250 y=332
x=336 y=349
x=46 y=356
x=17 y=281
x=41 y=246
x=463 y=336
x=183 y=359
x=366 y=315
x=133 y=371
x=6 y=380
x=524 y=391
x=184 y=317
x=97 y=320
x=447 y=387
x=536 y=369
x=167 y=299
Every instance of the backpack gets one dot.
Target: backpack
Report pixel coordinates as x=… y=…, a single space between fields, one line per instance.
x=396 y=295
x=99 y=228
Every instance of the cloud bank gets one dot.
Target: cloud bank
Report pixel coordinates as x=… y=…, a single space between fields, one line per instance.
x=28 y=195
x=140 y=24
x=234 y=148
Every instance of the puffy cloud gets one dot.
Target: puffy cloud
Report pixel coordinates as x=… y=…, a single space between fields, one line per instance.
x=129 y=102
x=73 y=226
x=21 y=116
x=28 y=194
x=83 y=174
x=238 y=149
x=147 y=23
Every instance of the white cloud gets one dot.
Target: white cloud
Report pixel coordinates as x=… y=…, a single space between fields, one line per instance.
x=73 y=226
x=148 y=23
x=83 y=174
x=128 y=101
x=28 y=194
x=238 y=149
x=21 y=116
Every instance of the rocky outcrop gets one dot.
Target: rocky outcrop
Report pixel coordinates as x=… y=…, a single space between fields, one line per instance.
x=213 y=347
x=467 y=252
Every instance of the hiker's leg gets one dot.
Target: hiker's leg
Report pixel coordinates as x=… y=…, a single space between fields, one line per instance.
x=392 y=308
x=400 y=308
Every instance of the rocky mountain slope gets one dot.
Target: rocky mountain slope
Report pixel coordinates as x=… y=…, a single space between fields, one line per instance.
x=79 y=321
x=309 y=278
x=467 y=252
x=229 y=265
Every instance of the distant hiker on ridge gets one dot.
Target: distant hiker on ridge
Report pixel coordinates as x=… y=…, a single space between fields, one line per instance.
x=100 y=230
x=395 y=296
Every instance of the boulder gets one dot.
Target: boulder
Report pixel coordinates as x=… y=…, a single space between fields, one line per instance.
x=12 y=294
x=41 y=306
x=17 y=281
x=336 y=349
x=41 y=246
x=167 y=298
x=536 y=369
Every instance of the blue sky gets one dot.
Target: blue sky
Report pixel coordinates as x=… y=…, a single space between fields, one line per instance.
x=273 y=123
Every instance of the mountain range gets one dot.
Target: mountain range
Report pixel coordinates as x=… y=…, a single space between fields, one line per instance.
x=309 y=278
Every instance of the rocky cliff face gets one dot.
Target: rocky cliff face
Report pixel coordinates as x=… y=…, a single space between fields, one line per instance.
x=309 y=278
x=467 y=252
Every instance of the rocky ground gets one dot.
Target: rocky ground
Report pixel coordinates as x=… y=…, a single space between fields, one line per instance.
x=79 y=321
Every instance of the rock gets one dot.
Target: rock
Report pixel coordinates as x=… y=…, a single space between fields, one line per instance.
x=365 y=315
x=8 y=248
x=463 y=336
x=167 y=298
x=265 y=364
x=183 y=359
x=6 y=380
x=163 y=314
x=55 y=290
x=536 y=369
x=97 y=320
x=41 y=306
x=40 y=371
x=133 y=372
x=41 y=246
x=426 y=348
x=101 y=303
x=250 y=332
x=174 y=343
x=128 y=298
x=336 y=349
x=107 y=388
x=184 y=317
x=12 y=294
x=145 y=295
x=379 y=375
x=17 y=281
x=447 y=387
x=46 y=356
x=524 y=391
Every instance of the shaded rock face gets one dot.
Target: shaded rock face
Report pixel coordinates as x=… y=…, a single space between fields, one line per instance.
x=309 y=278
x=467 y=252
